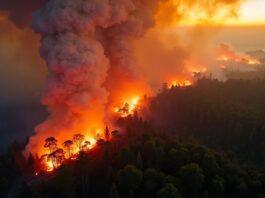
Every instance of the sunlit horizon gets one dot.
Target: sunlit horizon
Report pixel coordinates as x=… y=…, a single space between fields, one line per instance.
x=249 y=13
x=252 y=12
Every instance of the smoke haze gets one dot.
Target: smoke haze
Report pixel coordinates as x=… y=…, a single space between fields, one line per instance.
x=18 y=13
x=89 y=49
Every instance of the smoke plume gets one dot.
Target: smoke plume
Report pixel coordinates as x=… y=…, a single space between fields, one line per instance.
x=82 y=42
x=90 y=50
x=20 y=14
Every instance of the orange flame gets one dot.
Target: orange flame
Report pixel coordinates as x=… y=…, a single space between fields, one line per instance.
x=49 y=165
x=225 y=53
x=128 y=107
x=180 y=83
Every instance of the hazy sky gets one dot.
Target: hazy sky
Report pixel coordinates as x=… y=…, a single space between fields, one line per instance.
x=253 y=12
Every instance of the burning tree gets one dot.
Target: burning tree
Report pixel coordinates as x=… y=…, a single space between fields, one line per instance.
x=78 y=139
x=56 y=157
x=68 y=145
x=51 y=144
x=107 y=133
x=129 y=107
x=86 y=145
x=44 y=162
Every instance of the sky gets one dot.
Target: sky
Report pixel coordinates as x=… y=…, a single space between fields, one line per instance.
x=253 y=12
x=248 y=13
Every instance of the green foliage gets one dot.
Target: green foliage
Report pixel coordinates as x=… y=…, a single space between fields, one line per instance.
x=192 y=178
x=223 y=115
x=114 y=192
x=184 y=170
x=129 y=179
x=139 y=161
x=169 y=191
x=216 y=187
x=126 y=156
x=149 y=161
x=209 y=164
x=153 y=179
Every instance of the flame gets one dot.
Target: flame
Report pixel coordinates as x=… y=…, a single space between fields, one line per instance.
x=225 y=54
x=191 y=72
x=79 y=108
x=197 y=70
x=223 y=58
x=48 y=165
x=254 y=62
x=179 y=83
x=239 y=58
x=128 y=107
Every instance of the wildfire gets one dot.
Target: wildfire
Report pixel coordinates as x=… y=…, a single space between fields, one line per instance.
x=253 y=62
x=225 y=54
x=49 y=166
x=223 y=58
x=87 y=75
x=128 y=107
x=55 y=156
x=71 y=149
x=180 y=83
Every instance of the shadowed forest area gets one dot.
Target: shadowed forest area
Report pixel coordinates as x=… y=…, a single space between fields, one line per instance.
x=205 y=140
x=229 y=115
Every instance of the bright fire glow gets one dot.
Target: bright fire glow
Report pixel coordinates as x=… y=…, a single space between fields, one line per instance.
x=49 y=166
x=128 y=107
x=226 y=54
x=52 y=161
x=243 y=59
x=180 y=83
x=253 y=62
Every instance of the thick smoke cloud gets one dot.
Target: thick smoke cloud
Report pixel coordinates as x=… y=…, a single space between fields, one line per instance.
x=73 y=34
x=89 y=49
x=20 y=11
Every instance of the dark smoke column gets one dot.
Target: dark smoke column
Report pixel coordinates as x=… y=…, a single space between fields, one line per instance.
x=76 y=65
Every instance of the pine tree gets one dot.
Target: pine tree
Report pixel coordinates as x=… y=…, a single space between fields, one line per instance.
x=107 y=133
x=139 y=161
x=114 y=192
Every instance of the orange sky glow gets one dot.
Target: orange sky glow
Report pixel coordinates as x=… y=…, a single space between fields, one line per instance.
x=250 y=13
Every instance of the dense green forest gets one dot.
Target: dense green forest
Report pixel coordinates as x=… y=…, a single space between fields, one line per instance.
x=227 y=115
x=140 y=163
x=203 y=141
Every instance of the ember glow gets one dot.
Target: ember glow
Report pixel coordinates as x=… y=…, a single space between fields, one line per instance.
x=128 y=107
x=226 y=54
x=93 y=74
x=180 y=83
x=55 y=156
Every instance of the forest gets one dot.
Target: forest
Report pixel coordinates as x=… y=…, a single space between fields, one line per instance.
x=205 y=140
x=228 y=116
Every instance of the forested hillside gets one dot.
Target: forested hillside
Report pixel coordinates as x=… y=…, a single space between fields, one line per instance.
x=225 y=115
x=139 y=163
x=201 y=141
